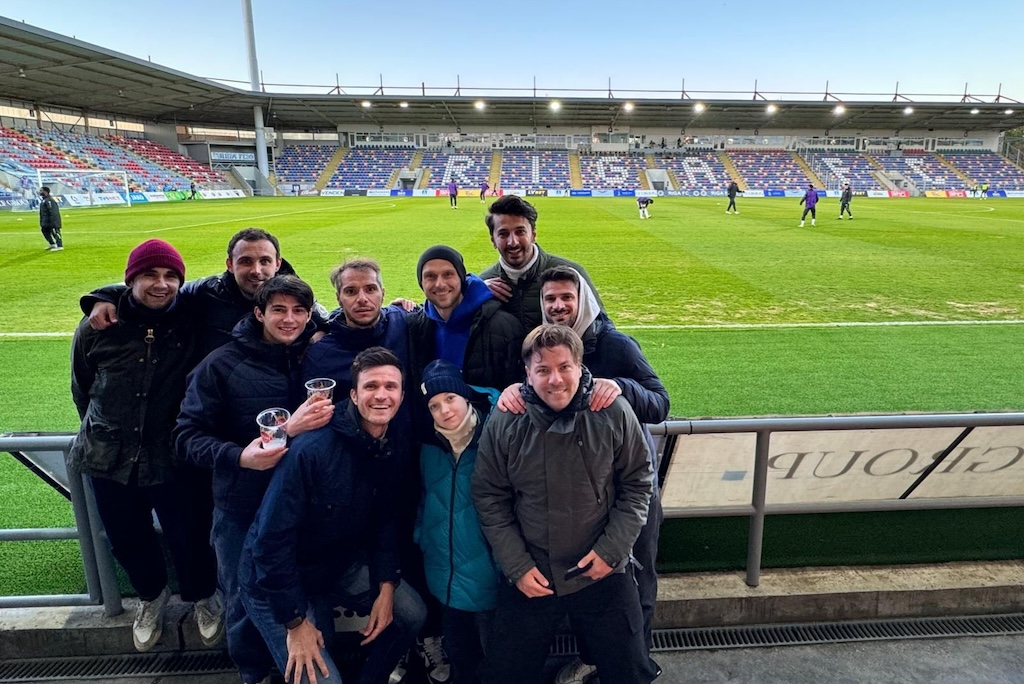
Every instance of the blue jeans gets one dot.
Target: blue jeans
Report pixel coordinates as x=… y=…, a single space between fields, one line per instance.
x=353 y=591
x=245 y=644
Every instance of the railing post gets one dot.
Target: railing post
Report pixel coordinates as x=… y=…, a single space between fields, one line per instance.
x=755 y=536
x=79 y=505
x=104 y=560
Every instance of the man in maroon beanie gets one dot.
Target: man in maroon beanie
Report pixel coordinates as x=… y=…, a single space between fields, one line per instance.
x=127 y=382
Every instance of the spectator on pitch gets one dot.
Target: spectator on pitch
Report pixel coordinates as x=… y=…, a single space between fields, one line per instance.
x=731 y=191
x=192 y=190
x=49 y=220
x=126 y=448
x=562 y=493
x=326 y=535
x=453 y=194
x=460 y=570
x=515 y=279
x=642 y=204
x=463 y=323
x=253 y=257
x=484 y=187
x=619 y=367
x=217 y=430
x=810 y=201
x=844 y=201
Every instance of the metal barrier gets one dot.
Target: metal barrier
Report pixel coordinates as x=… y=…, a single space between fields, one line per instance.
x=100 y=576
x=763 y=429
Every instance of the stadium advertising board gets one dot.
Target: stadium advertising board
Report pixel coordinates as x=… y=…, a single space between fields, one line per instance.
x=847 y=465
x=1014 y=193
x=996 y=193
x=93 y=199
x=625 y=193
x=233 y=156
x=579 y=193
x=138 y=197
x=899 y=193
x=12 y=202
x=878 y=193
x=558 y=193
x=155 y=196
x=332 y=192
x=647 y=193
x=221 y=194
x=537 y=193
x=378 y=193
x=602 y=193
x=401 y=193
x=767 y=192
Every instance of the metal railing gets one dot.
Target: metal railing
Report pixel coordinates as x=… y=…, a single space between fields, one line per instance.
x=100 y=576
x=763 y=428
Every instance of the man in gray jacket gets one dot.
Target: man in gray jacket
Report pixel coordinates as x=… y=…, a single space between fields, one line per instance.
x=562 y=493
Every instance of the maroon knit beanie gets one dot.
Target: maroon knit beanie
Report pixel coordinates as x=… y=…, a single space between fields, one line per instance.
x=153 y=254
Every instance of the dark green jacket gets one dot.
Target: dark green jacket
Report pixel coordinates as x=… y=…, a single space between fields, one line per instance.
x=525 y=302
x=127 y=382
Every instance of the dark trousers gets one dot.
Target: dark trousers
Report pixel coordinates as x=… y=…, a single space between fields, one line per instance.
x=845 y=206
x=606 y=616
x=732 y=204
x=127 y=514
x=246 y=647
x=453 y=199
x=52 y=236
x=466 y=636
x=813 y=212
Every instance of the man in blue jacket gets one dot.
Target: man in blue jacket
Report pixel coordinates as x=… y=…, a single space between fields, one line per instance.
x=259 y=369
x=327 y=534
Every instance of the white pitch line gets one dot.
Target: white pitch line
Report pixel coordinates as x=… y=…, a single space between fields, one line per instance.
x=711 y=326
x=843 y=324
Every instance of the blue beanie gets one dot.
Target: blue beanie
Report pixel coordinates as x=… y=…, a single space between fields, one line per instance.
x=443 y=376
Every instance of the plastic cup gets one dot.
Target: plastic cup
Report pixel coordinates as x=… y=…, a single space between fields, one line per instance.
x=321 y=388
x=272 y=424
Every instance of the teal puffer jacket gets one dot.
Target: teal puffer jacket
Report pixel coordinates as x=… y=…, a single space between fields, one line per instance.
x=461 y=571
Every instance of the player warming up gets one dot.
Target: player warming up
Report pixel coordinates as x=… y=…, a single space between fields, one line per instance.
x=642 y=204
x=810 y=201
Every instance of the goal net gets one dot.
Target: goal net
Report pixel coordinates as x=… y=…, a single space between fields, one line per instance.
x=86 y=187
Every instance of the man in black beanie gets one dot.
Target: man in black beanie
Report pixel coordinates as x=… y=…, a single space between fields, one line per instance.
x=463 y=323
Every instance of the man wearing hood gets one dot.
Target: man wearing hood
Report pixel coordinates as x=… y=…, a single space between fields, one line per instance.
x=562 y=493
x=619 y=367
x=515 y=279
x=259 y=368
x=462 y=323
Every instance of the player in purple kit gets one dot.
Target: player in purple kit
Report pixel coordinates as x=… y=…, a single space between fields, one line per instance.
x=453 y=194
x=810 y=201
x=484 y=187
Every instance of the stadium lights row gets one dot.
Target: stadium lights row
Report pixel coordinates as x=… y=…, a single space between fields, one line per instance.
x=698 y=107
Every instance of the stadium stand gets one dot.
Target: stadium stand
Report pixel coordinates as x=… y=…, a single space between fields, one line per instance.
x=369 y=168
x=100 y=154
x=547 y=169
x=837 y=168
x=988 y=167
x=696 y=170
x=468 y=167
x=923 y=169
x=23 y=151
x=769 y=169
x=303 y=163
x=178 y=163
x=612 y=172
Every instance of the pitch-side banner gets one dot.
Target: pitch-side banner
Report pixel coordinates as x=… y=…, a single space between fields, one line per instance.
x=1014 y=193
x=155 y=196
x=93 y=200
x=846 y=465
x=221 y=194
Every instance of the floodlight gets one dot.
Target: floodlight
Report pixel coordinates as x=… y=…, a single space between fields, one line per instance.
x=839 y=109
x=1009 y=111
x=908 y=110
x=771 y=109
x=555 y=105
x=403 y=105
x=367 y=104
x=699 y=107
x=628 y=107
x=480 y=104
x=975 y=110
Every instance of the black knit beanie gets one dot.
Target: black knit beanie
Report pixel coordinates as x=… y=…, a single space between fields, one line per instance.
x=441 y=252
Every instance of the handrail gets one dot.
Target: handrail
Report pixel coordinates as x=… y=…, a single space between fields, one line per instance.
x=763 y=428
x=100 y=576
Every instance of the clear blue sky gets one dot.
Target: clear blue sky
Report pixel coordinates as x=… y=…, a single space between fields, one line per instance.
x=861 y=46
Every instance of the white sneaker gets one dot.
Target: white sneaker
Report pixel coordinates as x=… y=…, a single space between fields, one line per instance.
x=737 y=212
x=398 y=675
x=435 y=662
x=575 y=672
x=50 y=248
x=149 y=621
x=210 y=618
x=801 y=225
x=58 y=248
x=814 y=222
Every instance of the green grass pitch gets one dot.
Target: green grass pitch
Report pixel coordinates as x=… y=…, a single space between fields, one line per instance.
x=740 y=314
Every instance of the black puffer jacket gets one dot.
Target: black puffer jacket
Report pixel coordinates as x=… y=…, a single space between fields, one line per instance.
x=225 y=393
x=492 y=352
x=127 y=382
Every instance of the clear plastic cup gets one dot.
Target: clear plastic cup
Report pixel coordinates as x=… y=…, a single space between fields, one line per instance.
x=272 y=422
x=321 y=388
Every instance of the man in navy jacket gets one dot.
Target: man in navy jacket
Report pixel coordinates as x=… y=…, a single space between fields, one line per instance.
x=327 y=534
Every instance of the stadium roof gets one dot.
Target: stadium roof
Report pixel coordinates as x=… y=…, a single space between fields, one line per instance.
x=50 y=70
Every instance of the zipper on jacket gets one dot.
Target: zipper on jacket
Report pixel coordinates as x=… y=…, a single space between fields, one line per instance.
x=586 y=466
x=451 y=533
x=149 y=342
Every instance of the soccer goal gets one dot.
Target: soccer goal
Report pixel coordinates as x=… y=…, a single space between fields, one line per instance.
x=86 y=187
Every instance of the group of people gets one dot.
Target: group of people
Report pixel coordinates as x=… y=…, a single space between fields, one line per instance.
x=481 y=471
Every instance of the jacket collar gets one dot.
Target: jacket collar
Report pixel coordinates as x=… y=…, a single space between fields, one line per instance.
x=562 y=421
x=348 y=424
